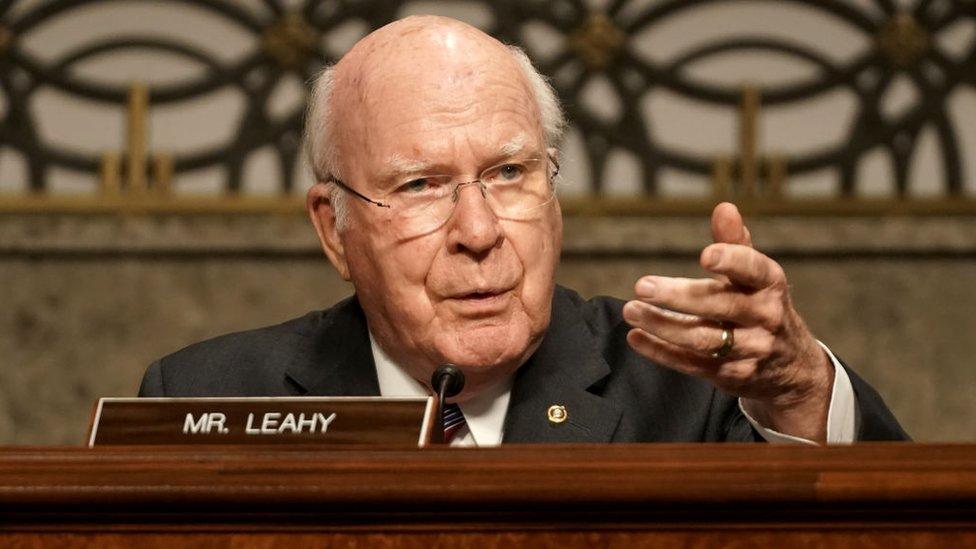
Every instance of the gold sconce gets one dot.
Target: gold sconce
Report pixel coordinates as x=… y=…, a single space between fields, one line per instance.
x=749 y=175
x=143 y=172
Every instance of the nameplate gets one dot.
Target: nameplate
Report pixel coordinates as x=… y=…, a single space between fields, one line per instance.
x=383 y=421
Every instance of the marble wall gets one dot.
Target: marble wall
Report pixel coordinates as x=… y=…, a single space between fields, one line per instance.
x=89 y=301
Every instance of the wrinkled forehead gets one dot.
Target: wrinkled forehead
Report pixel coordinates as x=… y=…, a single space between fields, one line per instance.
x=430 y=76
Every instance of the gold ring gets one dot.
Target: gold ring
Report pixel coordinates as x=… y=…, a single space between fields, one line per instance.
x=728 y=340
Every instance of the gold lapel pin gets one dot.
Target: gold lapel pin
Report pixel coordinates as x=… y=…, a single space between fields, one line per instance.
x=557 y=413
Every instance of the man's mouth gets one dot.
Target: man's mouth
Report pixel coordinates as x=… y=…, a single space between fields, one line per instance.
x=480 y=296
x=482 y=302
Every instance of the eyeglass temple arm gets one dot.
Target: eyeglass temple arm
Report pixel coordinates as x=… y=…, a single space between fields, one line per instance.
x=349 y=189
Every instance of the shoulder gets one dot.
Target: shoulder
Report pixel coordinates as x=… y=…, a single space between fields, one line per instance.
x=248 y=345
x=241 y=363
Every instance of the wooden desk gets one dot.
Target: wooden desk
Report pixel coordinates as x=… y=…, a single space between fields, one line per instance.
x=877 y=495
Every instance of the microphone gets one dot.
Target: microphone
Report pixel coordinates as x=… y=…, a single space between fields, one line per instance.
x=448 y=380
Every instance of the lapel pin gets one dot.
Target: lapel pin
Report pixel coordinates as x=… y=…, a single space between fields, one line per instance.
x=557 y=413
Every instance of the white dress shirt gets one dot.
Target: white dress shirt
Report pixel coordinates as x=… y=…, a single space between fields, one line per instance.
x=485 y=412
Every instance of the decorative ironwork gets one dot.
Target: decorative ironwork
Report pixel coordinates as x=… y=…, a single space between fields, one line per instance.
x=5 y=38
x=903 y=41
x=291 y=42
x=901 y=49
x=595 y=44
x=597 y=41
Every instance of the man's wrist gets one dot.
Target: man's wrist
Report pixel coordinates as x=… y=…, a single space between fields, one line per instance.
x=803 y=413
x=842 y=413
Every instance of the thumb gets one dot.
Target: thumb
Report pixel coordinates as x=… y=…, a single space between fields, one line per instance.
x=728 y=227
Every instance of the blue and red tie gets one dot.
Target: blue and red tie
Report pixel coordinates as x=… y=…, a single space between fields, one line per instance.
x=453 y=422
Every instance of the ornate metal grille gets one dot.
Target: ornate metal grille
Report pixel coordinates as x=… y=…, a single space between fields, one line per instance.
x=902 y=45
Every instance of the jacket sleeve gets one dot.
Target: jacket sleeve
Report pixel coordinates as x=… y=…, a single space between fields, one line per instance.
x=876 y=422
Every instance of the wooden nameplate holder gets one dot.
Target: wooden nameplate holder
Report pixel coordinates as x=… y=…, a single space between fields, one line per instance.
x=302 y=421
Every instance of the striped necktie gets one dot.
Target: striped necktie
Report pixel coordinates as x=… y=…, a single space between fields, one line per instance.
x=453 y=422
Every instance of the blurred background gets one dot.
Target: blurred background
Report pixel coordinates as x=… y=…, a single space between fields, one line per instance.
x=151 y=179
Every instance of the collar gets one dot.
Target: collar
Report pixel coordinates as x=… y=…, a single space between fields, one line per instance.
x=484 y=413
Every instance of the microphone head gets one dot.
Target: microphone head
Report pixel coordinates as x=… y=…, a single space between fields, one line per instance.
x=450 y=378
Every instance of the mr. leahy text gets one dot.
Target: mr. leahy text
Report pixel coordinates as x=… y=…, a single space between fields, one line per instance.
x=270 y=423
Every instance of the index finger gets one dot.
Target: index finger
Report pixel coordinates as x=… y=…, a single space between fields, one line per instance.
x=742 y=265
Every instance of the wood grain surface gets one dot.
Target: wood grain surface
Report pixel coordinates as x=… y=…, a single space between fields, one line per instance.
x=667 y=495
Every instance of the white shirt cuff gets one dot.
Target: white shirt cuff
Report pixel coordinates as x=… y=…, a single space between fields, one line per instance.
x=841 y=415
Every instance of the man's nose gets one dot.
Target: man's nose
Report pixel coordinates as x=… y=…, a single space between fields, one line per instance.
x=473 y=225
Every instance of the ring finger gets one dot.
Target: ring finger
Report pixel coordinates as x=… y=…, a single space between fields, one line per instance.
x=695 y=334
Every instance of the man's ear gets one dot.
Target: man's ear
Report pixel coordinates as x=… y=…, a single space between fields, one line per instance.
x=322 y=213
x=553 y=153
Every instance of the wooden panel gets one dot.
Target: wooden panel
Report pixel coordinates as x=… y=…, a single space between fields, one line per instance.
x=880 y=495
x=660 y=539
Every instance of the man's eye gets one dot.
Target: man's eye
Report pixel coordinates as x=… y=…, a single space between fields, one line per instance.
x=510 y=172
x=416 y=186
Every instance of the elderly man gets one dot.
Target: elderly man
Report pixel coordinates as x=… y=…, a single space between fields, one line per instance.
x=433 y=147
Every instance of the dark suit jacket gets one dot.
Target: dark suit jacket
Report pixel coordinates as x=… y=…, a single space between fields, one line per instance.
x=584 y=363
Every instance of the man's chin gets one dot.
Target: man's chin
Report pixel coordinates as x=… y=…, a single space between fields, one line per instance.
x=486 y=347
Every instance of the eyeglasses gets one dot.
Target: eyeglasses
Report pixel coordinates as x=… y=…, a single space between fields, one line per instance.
x=514 y=189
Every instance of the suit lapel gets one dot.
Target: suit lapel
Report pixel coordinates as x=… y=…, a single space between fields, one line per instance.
x=339 y=360
x=567 y=370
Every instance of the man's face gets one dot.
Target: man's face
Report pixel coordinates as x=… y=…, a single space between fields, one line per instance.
x=476 y=291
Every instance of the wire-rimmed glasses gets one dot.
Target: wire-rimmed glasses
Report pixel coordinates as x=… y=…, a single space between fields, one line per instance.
x=516 y=189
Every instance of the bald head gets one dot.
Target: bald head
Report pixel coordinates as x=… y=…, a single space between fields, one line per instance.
x=437 y=57
x=397 y=47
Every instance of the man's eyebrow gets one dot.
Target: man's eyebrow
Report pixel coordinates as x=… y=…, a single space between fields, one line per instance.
x=399 y=165
x=514 y=146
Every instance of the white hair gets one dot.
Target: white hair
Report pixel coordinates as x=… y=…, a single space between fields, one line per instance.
x=320 y=144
